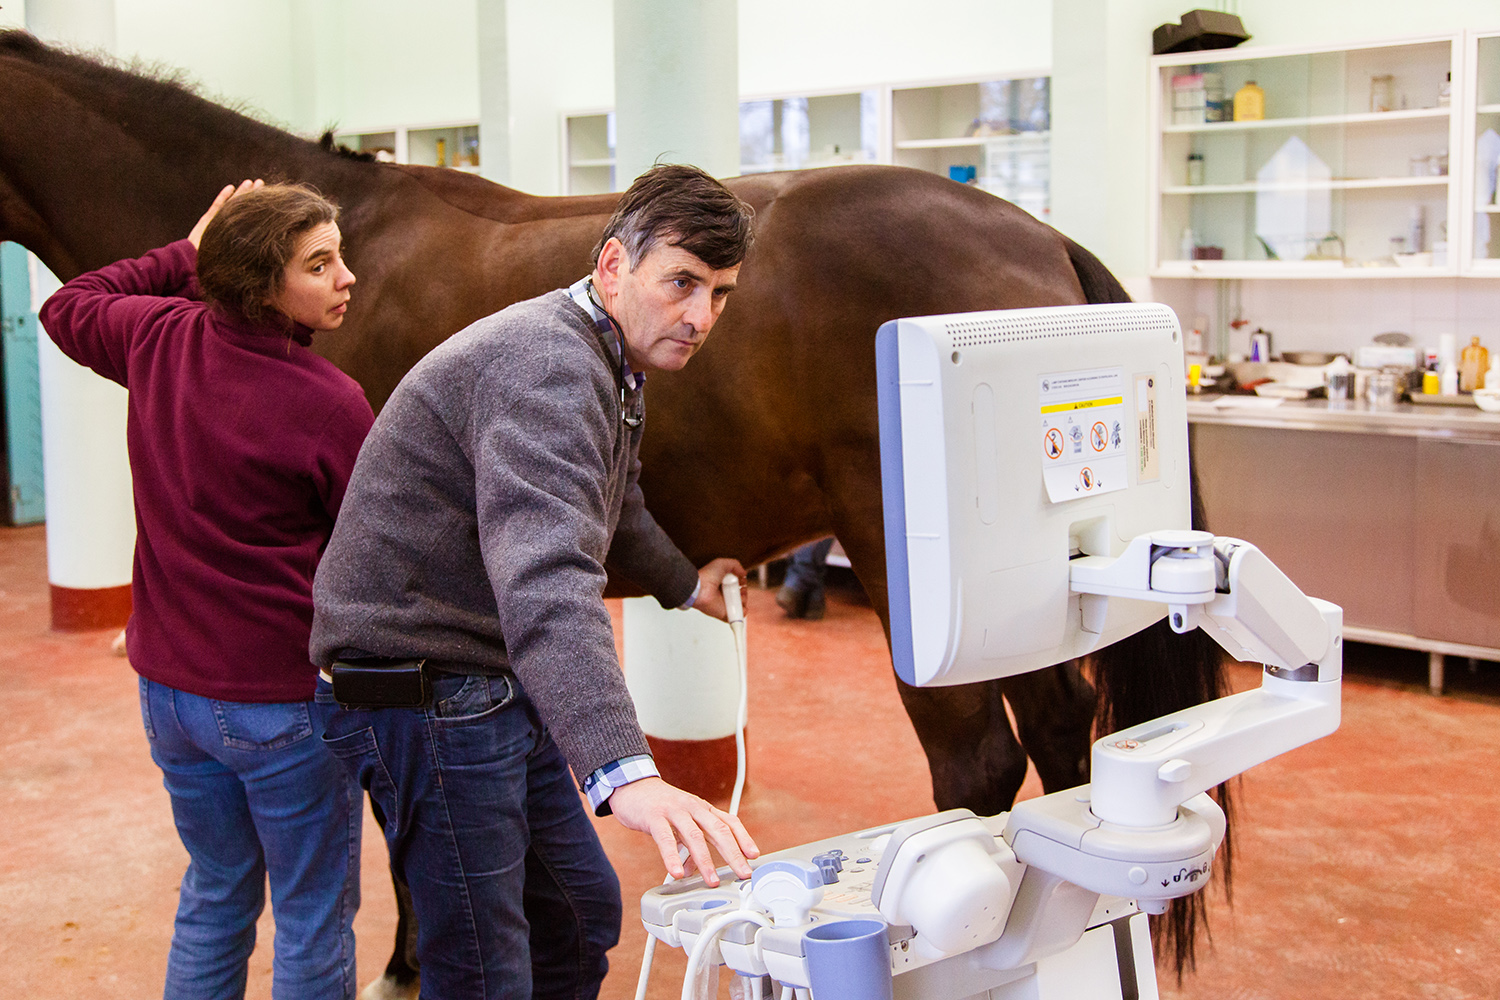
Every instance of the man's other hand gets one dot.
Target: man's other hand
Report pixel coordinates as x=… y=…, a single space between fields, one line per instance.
x=672 y=817
x=710 y=598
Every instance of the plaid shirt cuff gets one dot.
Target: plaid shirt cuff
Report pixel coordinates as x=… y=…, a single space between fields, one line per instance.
x=600 y=785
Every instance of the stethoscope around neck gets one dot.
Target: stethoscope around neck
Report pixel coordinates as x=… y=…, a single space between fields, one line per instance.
x=629 y=419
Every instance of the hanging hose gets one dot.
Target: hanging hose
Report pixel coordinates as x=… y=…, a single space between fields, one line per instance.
x=705 y=942
x=734 y=609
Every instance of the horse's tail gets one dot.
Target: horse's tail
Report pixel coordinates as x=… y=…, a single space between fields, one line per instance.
x=1156 y=672
x=1098 y=284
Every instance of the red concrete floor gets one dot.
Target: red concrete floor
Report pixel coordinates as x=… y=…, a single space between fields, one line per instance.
x=1367 y=863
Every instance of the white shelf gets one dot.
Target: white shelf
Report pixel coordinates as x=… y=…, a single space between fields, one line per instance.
x=1488 y=109
x=771 y=168
x=1346 y=184
x=977 y=140
x=607 y=161
x=1291 y=269
x=1361 y=118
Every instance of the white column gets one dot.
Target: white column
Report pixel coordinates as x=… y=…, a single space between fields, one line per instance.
x=683 y=675
x=677 y=85
x=1080 y=121
x=677 y=99
x=681 y=669
x=90 y=517
x=492 y=34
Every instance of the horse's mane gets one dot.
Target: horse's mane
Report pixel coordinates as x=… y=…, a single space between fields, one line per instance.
x=327 y=144
x=176 y=99
x=170 y=88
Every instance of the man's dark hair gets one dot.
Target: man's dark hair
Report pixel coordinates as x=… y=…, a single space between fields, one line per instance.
x=683 y=207
x=245 y=249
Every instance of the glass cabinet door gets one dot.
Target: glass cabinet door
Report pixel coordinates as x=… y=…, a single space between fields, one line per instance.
x=1484 y=154
x=797 y=133
x=1306 y=163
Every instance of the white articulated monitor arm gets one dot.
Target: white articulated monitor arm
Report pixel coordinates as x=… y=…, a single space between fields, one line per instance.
x=1228 y=588
x=1144 y=828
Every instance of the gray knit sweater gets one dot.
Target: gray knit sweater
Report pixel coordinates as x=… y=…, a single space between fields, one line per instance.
x=478 y=517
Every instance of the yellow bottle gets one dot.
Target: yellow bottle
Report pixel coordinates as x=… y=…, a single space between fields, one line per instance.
x=442 y=152
x=1249 y=103
x=1472 y=364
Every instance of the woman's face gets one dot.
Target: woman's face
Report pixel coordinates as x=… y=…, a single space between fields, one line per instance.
x=315 y=285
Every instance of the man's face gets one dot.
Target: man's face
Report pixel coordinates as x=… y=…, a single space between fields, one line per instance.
x=665 y=304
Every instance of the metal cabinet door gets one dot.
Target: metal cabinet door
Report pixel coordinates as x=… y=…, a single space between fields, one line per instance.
x=22 y=388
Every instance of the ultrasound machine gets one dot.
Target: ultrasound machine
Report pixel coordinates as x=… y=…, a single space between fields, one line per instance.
x=1035 y=480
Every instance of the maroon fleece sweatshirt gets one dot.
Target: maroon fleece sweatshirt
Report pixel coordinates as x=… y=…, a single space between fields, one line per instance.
x=241 y=443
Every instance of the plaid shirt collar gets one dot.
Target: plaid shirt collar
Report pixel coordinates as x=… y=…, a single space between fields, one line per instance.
x=583 y=293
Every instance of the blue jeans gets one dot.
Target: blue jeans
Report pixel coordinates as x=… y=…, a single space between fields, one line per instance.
x=513 y=895
x=255 y=793
x=808 y=566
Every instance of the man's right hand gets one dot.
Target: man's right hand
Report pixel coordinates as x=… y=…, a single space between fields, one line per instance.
x=672 y=817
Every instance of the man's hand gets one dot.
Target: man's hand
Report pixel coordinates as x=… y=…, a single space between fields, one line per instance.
x=672 y=816
x=195 y=236
x=710 y=598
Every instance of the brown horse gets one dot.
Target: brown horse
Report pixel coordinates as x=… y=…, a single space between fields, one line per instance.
x=768 y=440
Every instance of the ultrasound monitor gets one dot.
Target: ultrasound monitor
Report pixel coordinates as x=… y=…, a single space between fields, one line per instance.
x=1012 y=441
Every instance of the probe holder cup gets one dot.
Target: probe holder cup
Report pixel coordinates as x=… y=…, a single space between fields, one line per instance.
x=849 y=960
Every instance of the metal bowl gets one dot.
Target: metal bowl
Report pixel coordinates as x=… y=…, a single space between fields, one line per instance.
x=1307 y=357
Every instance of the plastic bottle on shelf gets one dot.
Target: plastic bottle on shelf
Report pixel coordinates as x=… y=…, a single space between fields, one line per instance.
x=1249 y=103
x=1416 y=234
x=1189 y=242
x=1445 y=92
x=1472 y=364
x=1447 y=361
x=1192 y=340
x=1195 y=168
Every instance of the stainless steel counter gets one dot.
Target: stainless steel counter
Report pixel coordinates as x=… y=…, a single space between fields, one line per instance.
x=1393 y=514
x=1452 y=423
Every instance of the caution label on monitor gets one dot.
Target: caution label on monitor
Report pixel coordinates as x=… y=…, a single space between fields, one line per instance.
x=1083 y=432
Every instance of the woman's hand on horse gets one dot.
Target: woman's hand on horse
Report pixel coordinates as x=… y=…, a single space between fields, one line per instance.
x=710 y=578
x=672 y=816
x=229 y=191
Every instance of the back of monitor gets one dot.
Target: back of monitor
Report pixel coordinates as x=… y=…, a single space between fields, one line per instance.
x=1012 y=441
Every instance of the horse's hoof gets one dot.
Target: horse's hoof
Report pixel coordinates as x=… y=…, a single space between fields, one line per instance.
x=386 y=988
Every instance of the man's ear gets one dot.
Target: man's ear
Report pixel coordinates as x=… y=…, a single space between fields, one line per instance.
x=611 y=266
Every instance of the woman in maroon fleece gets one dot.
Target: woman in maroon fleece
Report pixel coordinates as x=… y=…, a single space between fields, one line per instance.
x=241 y=442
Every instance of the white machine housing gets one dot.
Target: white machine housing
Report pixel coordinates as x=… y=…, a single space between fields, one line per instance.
x=1004 y=556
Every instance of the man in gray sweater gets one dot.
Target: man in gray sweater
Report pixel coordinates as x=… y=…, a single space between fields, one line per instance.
x=473 y=537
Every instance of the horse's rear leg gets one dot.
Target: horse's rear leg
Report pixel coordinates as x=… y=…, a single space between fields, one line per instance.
x=1054 y=711
x=974 y=758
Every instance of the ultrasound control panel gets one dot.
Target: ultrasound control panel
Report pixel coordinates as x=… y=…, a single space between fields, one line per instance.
x=832 y=880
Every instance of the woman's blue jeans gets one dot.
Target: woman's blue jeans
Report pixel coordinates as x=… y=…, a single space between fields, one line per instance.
x=513 y=894
x=255 y=793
